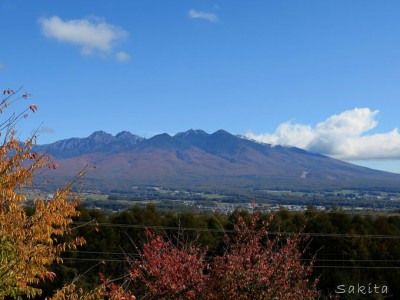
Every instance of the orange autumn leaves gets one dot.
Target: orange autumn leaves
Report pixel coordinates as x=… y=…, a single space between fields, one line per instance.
x=29 y=244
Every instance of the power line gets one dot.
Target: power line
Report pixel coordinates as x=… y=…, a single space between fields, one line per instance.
x=311 y=234
x=322 y=259
x=93 y=259
x=314 y=266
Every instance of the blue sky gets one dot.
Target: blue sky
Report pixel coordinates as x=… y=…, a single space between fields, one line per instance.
x=321 y=75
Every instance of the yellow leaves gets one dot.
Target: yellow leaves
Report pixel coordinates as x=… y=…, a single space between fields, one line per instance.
x=80 y=241
x=70 y=292
x=29 y=244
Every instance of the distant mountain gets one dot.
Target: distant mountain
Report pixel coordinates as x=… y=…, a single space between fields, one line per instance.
x=195 y=159
x=98 y=141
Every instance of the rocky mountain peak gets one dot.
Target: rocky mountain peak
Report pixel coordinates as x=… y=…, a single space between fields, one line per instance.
x=100 y=136
x=126 y=136
x=190 y=133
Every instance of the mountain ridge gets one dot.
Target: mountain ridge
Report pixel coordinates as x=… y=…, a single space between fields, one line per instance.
x=99 y=141
x=195 y=157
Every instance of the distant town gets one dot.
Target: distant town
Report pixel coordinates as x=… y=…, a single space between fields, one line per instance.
x=175 y=200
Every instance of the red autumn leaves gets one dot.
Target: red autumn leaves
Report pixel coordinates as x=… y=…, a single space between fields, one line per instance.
x=171 y=272
x=33 y=107
x=9 y=93
x=255 y=265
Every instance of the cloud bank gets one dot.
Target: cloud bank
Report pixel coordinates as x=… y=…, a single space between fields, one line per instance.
x=343 y=136
x=91 y=34
x=210 y=17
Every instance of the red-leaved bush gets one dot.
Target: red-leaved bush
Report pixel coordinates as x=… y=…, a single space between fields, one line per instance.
x=255 y=265
x=258 y=267
x=169 y=271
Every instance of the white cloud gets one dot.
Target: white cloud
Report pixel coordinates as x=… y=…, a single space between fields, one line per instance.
x=122 y=56
x=45 y=130
x=194 y=14
x=92 y=34
x=343 y=136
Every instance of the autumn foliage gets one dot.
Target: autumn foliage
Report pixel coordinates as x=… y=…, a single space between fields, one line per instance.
x=171 y=272
x=29 y=243
x=259 y=266
x=255 y=265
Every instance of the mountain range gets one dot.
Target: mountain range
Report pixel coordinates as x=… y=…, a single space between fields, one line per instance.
x=198 y=160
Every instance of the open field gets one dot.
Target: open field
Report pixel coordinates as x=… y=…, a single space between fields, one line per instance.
x=266 y=200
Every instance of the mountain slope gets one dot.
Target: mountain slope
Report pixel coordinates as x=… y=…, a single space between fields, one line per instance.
x=198 y=159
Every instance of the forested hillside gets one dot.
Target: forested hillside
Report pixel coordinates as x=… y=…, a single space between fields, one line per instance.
x=350 y=249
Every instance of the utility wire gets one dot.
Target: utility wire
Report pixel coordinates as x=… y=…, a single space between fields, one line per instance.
x=314 y=266
x=311 y=234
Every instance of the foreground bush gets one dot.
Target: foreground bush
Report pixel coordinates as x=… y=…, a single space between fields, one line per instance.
x=254 y=266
